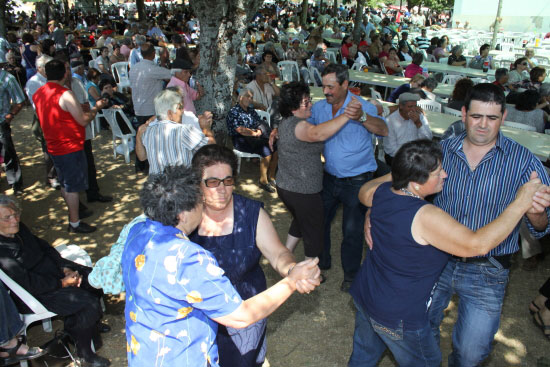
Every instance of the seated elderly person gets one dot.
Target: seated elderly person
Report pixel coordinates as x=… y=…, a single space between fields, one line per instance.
x=478 y=62
x=59 y=284
x=166 y=141
x=501 y=79
x=428 y=86
x=456 y=58
x=415 y=82
x=414 y=67
x=526 y=112
x=406 y=124
x=181 y=79
x=251 y=136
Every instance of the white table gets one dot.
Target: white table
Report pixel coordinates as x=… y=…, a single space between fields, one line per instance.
x=449 y=69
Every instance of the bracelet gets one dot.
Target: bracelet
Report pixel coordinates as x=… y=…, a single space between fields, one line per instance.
x=290 y=269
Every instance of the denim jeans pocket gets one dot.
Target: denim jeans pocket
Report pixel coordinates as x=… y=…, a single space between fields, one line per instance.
x=489 y=289
x=393 y=334
x=493 y=276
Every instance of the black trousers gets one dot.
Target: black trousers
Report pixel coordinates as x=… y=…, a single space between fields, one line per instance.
x=545 y=291
x=93 y=187
x=142 y=166
x=13 y=168
x=36 y=129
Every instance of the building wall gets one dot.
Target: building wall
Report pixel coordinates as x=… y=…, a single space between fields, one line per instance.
x=517 y=15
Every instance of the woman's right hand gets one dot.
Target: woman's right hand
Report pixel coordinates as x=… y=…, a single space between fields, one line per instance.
x=527 y=192
x=306 y=275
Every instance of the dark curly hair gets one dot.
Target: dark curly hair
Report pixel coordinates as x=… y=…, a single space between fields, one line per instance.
x=414 y=161
x=536 y=73
x=291 y=97
x=211 y=154
x=165 y=195
x=527 y=101
x=461 y=88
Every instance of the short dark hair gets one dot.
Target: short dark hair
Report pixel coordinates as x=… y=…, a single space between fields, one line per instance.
x=268 y=52
x=92 y=74
x=165 y=195
x=341 y=71
x=418 y=58
x=441 y=41
x=211 y=154
x=536 y=73
x=147 y=50
x=430 y=83
x=291 y=97
x=461 y=88
x=519 y=61
x=528 y=100
x=414 y=161
x=500 y=72
x=27 y=38
x=250 y=44
x=104 y=82
x=483 y=47
x=434 y=41
x=486 y=92
x=55 y=70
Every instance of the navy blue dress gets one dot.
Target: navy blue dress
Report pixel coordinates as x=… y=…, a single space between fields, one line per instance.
x=238 y=255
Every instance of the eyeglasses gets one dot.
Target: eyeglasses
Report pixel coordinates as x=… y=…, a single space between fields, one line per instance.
x=10 y=217
x=306 y=102
x=215 y=182
x=524 y=63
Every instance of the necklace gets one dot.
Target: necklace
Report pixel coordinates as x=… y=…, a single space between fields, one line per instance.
x=407 y=192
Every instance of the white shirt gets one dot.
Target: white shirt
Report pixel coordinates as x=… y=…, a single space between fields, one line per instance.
x=146 y=81
x=401 y=131
x=35 y=82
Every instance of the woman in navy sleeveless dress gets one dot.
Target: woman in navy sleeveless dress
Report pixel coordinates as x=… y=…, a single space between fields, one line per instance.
x=411 y=239
x=238 y=232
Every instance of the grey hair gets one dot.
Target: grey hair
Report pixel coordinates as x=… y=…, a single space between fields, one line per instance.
x=456 y=49
x=43 y=60
x=165 y=101
x=8 y=201
x=544 y=90
x=259 y=70
x=430 y=83
x=140 y=40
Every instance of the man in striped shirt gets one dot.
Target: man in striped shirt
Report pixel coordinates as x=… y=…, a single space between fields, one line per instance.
x=485 y=171
x=422 y=42
x=166 y=141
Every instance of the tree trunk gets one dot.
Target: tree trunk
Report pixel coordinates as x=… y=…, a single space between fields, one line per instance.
x=67 y=14
x=497 y=24
x=3 y=19
x=141 y=10
x=358 y=22
x=223 y=25
x=42 y=13
x=303 y=16
x=98 y=7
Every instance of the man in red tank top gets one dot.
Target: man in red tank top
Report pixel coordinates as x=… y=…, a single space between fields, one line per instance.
x=63 y=120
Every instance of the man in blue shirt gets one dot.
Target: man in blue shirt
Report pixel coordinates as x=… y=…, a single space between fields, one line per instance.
x=485 y=171
x=350 y=162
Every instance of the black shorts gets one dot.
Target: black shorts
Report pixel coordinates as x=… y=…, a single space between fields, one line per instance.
x=72 y=171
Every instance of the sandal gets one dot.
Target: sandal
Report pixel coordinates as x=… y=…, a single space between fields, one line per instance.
x=537 y=319
x=532 y=306
x=13 y=357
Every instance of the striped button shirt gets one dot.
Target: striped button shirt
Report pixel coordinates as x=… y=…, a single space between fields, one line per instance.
x=10 y=93
x=475 y=198
x=170 y=143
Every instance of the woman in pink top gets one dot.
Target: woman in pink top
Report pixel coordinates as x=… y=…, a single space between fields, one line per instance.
x=415 y=68
x=181 y=79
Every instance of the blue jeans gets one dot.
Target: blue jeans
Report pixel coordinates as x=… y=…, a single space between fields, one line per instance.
x=10 y=323
x=345 y=191
x=480 y=288
x=414 y=348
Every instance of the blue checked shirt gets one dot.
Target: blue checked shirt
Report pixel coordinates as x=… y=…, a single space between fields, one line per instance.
x=10 y=93
x=476 y=198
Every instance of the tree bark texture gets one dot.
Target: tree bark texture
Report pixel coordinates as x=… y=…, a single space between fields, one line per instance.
x=303 y=16
x=141 y=10
x=358 y=21
x=42 y=13
x=497 y=25
x=3 y=19
x=223 y=25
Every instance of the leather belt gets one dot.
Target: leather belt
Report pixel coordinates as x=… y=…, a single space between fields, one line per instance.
x=504 y=260
x=362 y=177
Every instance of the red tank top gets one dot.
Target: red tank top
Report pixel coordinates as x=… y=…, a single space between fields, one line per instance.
x=62 y=133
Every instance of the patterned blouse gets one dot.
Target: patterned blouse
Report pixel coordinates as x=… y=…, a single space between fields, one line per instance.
x=174 y=288
x=237 y=117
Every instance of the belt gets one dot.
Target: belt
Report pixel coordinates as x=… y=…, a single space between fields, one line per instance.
x=362 y=177
x=504 y=260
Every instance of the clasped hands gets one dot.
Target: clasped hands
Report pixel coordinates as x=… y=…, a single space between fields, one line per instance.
x=72 y=278
x=306 y=275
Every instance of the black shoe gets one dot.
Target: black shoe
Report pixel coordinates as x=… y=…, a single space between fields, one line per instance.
x=94 y=361
x=82 y=228
x=85 y=213
x=103 y=327
x=346 y=285
x=267 y=187
x=17 y=189
x=100 y=198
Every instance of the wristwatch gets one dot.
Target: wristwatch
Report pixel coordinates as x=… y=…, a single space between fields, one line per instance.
x=363 y=118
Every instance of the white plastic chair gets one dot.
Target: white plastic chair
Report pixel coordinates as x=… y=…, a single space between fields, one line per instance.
x=264 y=115
x=450 y=111
x=451 y=79
x=375 y=94
x=331 y=56
x=314 y=76
x=91 y=63
x=519 y=126
x=479 y=80
x=94 y=52
x=358 y=66
x=444 y=60
x=126 y=139
x=289 y=71
x=429 y=105
x=120 y=72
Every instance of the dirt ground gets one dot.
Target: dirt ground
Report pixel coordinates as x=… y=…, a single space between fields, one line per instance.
x=308 y=330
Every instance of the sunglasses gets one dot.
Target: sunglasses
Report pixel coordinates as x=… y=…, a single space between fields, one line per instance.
x=215 y=182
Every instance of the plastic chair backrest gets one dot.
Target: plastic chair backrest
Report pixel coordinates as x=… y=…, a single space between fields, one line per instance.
x=451 y=111
x=289 y=70
x=120 y=72
x=264 y=116
x=519 y=126
x=429 y=105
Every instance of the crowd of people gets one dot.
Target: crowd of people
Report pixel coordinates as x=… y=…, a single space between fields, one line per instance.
x=190 y=264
